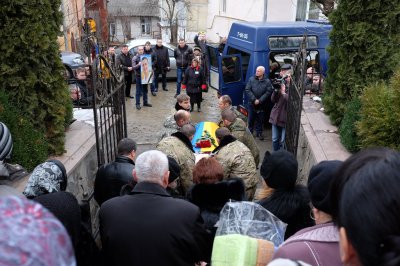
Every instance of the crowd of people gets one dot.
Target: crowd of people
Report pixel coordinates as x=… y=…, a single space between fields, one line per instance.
x=163 y=206
x=154 y=211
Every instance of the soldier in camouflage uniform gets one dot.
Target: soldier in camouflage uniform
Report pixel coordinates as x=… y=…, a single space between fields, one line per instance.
x=179 y=147
x=237 y=160
x=241 y=132
x=225 y=103
x=174 y=123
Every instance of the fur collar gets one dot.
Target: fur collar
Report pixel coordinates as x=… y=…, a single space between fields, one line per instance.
x=225 y=141
x=184 y=139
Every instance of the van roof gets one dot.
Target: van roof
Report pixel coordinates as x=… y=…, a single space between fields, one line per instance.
x=252 y=36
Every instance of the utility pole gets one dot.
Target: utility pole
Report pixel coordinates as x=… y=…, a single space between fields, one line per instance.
x=64 y=27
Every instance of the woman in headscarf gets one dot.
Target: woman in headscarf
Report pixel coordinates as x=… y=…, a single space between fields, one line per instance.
x=47 y=177
x=30 y=235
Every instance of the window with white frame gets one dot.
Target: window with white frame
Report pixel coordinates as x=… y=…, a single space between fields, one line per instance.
x=145 y=23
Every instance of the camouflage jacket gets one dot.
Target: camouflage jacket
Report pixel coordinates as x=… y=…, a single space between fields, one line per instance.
x=178 y=146
x=237 y=161
x=170 y=127
x=237 y=113
x=241 y=133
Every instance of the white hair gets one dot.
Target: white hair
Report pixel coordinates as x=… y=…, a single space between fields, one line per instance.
x=151 y=166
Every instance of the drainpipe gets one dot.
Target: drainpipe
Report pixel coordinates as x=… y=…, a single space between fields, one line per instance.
x=265 y=10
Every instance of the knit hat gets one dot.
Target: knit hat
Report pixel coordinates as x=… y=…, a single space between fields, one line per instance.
x=174 y=170
x=319 y=181
x=196 y=48
x=279 y=169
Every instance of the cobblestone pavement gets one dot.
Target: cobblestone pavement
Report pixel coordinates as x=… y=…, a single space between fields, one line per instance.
x=145 y=125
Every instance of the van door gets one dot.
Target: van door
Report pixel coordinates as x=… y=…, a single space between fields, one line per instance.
x=226 y=74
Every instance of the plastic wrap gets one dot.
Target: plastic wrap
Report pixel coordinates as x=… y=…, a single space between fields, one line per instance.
x=247 y=234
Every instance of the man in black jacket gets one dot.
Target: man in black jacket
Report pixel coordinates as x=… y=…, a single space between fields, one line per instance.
x=124 y=60
x=149 y=227
x=163 y=64
x=258 y=90
x=111 y=177
x=183 y=55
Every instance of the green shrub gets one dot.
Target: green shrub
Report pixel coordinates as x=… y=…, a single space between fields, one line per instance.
x=31 y=70
x=379 y=123
x=347 y=129
x=364 y=49
x=29 y=145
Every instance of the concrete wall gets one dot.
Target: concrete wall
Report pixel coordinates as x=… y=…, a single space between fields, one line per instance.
x=319 y=139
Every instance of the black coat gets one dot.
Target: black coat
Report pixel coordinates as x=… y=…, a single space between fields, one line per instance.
x=149 y=227
x=211 y=198
x=194 y=80
x=125 y=61
x=111 y=177
x=162 y=58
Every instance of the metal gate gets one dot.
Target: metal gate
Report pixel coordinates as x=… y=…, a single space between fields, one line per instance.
x=295 y=101
x=108 y=107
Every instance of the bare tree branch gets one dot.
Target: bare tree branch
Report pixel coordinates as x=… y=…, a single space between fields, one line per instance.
x=326 y=6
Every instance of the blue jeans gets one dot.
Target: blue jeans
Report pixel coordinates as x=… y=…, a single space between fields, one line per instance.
x=256 y=119
x=163 y=79
x=179 y=77
x=278 y=137
x=141 y=90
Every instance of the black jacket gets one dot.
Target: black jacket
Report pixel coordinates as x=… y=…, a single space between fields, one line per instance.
x=260 y=89
x=125 y=61
x=111 y=177
x=162 y=57
x=211 y=198
x=291 y=207
x=183 y=56
x=149 y=227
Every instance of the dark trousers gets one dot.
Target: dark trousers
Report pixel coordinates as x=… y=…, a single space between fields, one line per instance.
x=128 y=83
x=163 y=80
x=141 y=90
x=256 y=120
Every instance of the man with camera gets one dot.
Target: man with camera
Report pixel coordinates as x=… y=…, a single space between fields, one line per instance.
x=278 y=114
x=258 y=89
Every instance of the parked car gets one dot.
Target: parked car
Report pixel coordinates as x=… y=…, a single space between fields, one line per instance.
x=72 y=61
x=134 y=44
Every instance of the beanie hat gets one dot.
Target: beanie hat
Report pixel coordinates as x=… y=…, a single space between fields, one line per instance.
x=279 y=169
x=174 y=169
x=319 y=181
x=196 y=48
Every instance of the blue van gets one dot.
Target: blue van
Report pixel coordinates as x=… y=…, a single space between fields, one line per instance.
x=251 y=44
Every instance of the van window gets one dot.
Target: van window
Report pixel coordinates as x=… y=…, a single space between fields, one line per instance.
x=289 y=57
x=279 y=42
x=245 y=59
x=230 y=69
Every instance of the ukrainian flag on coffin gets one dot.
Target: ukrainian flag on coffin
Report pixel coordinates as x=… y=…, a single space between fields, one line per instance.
x=204 y=140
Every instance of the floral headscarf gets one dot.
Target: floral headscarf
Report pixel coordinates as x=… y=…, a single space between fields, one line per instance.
x=30 y=235
x=47 y=177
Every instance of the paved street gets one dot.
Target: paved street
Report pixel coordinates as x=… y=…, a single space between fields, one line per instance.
x=146 y=124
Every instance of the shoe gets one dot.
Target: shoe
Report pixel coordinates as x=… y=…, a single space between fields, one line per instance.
x=165 y=89
x=131 y=97
x=153 y=93
x=147 y=104
x=176 y=95
x=260 y=136
x=191 y=110
x=138 y=107
x=198 y=109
